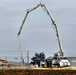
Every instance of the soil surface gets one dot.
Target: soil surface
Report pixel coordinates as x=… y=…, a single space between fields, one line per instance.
x=37 y=72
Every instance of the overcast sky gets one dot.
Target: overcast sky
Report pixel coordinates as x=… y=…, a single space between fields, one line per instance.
x=37 y=34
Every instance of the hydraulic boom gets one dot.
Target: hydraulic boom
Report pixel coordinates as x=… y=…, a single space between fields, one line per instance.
x=53 y=24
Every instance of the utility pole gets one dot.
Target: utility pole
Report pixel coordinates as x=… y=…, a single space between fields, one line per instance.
x=28 y=58
x=6 y=58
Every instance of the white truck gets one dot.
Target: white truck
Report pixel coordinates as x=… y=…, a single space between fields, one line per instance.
x=61 y=62
x=64 y=62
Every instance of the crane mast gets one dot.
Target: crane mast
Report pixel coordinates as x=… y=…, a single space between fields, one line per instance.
x=53 y=24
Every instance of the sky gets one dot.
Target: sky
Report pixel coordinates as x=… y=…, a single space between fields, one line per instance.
x=37 y=34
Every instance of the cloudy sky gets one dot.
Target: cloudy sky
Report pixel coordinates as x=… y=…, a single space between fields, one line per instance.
x=37 y=34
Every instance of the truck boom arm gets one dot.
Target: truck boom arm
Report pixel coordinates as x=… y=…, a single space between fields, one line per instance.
x=53 y=24
x=27 y=12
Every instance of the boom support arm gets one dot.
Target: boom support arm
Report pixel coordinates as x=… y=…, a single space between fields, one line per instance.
x=27 y=12
x=53 y=24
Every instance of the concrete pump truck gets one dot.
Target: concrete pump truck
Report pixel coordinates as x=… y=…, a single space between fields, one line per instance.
x=61 y=60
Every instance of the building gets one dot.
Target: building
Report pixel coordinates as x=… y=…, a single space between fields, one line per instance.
x=4 y=63
x=72 y=61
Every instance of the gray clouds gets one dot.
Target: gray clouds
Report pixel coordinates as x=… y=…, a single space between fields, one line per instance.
x=37 y=33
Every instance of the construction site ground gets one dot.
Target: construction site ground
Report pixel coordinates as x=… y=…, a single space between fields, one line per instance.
x=24 y=67
x=38 y=71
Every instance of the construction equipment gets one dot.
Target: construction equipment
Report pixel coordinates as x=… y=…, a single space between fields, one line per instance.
x=53 y=24
x=20 y=51
x=57 y=61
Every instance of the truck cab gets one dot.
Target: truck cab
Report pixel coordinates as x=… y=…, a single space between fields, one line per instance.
x=64 y=62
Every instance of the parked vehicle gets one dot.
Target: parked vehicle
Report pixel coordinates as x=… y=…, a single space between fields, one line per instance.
x=61 y=62
x=64 y=62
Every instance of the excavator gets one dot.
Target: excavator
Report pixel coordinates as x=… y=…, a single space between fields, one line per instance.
x=54 y=25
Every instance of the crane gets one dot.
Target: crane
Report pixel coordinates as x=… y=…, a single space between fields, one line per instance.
x=53 y=24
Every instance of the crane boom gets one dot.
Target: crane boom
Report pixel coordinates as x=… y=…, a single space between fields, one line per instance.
x=28 y=10
x=53 y=24
x=55 y=27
